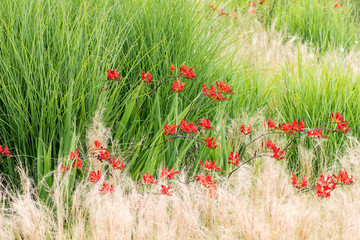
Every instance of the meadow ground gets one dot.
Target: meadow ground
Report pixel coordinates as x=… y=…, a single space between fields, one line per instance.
x=285 y=61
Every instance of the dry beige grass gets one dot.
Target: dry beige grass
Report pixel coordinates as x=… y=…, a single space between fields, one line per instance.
x=261 y=205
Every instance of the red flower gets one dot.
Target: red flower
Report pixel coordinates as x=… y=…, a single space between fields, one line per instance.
x=169 y=129
x=116 y=163
x=204 y=123
x=148 y=179
x=74 y=156
x=341 y=127
x=172 y=68
x=63 y=168
x=187 y=73
x=209 y=92
x=146 y=77
x=343 y=178
x=223 y=87
x=210 y=166
x=104 y=156
x=336 y=5
x=113 y=75
x=271 y=124
x=178 y=86
x=247 y=131
x=77 y=163
x=5 y=151
x=322 y=190
x=95 y=176
x=235 y=160
x=210 y=143
x=315 y=133
x=262 y=1
x=252 y=10
x=220 y=97
x=187 y=127
x=221 y=12
x=277 y=152
x=168 y=173
x=252 y=4
x=107 y=188
x=208 y=183
x=303 y=184
x=212 y=6
x=97 y=145
x=167 y=190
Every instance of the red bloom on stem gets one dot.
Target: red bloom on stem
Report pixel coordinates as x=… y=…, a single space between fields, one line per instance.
x=169 y=129
x=234 y=159
x=148 y=179
x=167 y=190
x=97 y=145
x=186 y=72
x=262 y=1
x=210 y=166
x=104 y=156
x=271 y=124
x=209 y=92
x=220 y=97
x=252 y=4
x=245 y=131
x=116 y=163
x=210 y=143
x=5 y=151
x=178 y=86
x=146 y=77
x=316 y=133
x=168 y=173
x=342 y=127
x=336 y=5
x=303 y=184
x=204 y=123
x=223 y=87
x=63 y=168
x=107 y=188
x=113 y=75
x=77 y=163
x=172 y=68
x=208 y=183
x=277 y=152
x=187 y=127
x=74 y=156
x=323 y=190
x=95 y=176
x=343 y=178
x=212 y=6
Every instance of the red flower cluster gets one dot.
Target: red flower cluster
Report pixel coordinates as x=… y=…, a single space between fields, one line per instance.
x=172 y=68
x=253 y=4
x=76 y=160
x=208 y=183
x=204 y=123
x=316 y=133
x=341 y=123
x=245 y=131
x=186 y=72
x=297 y=185
x=167 y=190
x=113 y=75
x=277 y=152
x=148 y=179
x=262 y=1
x=210 y=92
x=95 y=176
x=116 y=163
x=5 y=151
x=210 y=166
x=295 y=127
x=187 y=127
x=97 y=146
x=234 y=159
x=210 y=143
x=168 y=173
x=223 y=87
x=146 y=77
x=104 y=156
x=336 y=5
x=343 y=178
x=178 y=86
x=169 y=129
x=107 y=188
